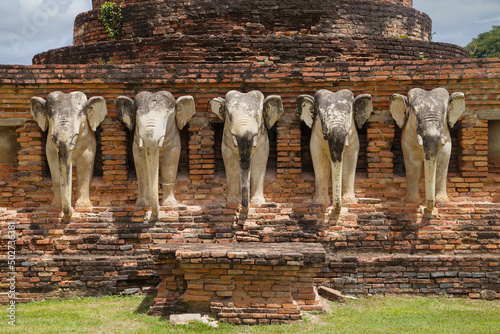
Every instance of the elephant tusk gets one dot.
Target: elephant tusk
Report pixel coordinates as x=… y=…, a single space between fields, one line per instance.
x=235 y=141
x=420 y=140
x=160 y=142
x=255 y=141
x=73 y=142
x=141 y=142
x=346 y=141
x=443 y=140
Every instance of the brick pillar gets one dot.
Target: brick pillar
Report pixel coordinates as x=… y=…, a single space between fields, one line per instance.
x=114 y=152
x=473 y=154
x=288 y=150
x=201 y=150
x=379 y=156
x=31 y=157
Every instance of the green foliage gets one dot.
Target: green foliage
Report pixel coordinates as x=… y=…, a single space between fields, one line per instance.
x=110 y=15
x=486 y=45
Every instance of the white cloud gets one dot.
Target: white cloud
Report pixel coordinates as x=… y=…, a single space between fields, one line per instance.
x=28 y=27
x=459 y=21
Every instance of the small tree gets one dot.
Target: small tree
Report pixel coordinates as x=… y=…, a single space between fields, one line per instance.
x=110 y=15
x=486 y=45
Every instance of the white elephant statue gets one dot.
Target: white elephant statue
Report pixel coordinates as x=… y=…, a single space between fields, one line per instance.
x=245 y=142
x=156 y=119
x=334 y=140
x=425 y=118
x=72 y=121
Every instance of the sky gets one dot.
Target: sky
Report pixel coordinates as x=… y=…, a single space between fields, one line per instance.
x=28 y=27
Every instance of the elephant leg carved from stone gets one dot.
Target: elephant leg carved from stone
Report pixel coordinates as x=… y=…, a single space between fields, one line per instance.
x=84 y=170
x=232 y=167
x=142 y=176
x=169 y=160
x=258 y=175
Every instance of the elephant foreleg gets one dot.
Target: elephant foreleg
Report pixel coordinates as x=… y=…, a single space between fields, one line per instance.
x=141 y=170
x=84 y=170
x=321 y=164
x=258 y=175
x=53 y=161
x=413 y=167
x=349 y=162
x=443 y=160
x=232 y=167
x=169 y=163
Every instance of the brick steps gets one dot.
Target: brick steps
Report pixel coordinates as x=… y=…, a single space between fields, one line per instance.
x=375 y=273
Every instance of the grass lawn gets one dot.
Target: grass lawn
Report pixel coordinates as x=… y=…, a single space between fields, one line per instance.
x=117 y=314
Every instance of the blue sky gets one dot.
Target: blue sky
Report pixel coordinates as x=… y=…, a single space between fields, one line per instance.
x=28 y=27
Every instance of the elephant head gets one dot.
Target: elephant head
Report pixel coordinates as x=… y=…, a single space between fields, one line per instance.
x=156 y=119
x=245 y=143
x=334 y=138
x=425 y=117
x=71 y=120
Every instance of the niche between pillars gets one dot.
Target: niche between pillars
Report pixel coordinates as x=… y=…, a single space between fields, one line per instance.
x=9 y=148
x=494 y=146
x=272 y=161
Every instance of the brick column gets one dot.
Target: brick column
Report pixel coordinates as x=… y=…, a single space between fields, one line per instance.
x=473 y=155
x=114 y=152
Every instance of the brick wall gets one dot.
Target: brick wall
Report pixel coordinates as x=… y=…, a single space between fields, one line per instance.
x=408 y=3
x=341 y=17
x=233 y=49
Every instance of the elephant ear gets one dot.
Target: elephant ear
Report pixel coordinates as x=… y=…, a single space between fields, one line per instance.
x=39 y=112
x=273 y=108
x=96 y=111
x=399 y=109
x=184 y=110
x=362 y=107
x=456 y=107
x=306 y=110
x=125 y=110
x=218 y=106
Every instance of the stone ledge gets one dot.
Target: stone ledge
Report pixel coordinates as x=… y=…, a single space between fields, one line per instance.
x=264 y=253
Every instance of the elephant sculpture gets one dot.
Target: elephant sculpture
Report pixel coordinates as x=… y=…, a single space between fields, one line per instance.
x=157 y=119
x=425 y=118
x=72 y=121
x=334 y=140
x=245 y=142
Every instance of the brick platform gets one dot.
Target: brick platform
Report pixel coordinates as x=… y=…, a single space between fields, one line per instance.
x=248 y=283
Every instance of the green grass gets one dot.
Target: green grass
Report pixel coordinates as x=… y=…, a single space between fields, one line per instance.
x=117 y=314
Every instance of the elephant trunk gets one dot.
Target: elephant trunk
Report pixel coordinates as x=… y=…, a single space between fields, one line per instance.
x=337 y=185
x=65 y=171
x=152 y=163
x=336 y=144
x=431 y=146
x=245 y=152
